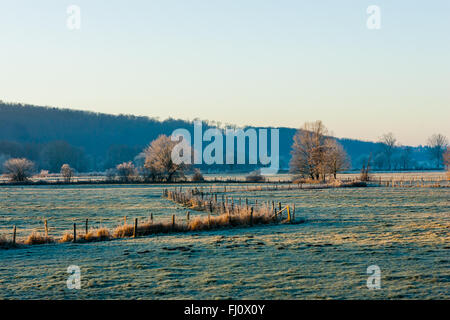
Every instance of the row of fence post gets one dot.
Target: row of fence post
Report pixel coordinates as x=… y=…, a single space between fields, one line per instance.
x=291 y=218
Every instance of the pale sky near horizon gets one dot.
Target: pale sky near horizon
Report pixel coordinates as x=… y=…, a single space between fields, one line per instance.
x=246 y=62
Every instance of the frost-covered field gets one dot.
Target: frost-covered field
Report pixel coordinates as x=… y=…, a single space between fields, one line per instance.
x=405 y=231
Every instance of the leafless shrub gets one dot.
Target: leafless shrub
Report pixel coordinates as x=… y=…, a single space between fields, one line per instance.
x=365 y=171
x=255 y=176
x=126 y=171
x=66 y=173
x=43 y=174
x=18 y=170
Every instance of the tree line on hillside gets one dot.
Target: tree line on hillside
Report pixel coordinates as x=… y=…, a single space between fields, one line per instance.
x=316 y=155
x=105 y=140
x=93 y=142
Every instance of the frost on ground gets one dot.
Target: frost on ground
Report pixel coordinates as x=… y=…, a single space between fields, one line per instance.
x=403 y=231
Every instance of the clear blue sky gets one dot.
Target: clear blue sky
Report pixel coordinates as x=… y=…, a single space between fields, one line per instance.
x=254 y=62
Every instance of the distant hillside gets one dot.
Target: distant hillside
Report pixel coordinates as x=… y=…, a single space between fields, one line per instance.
x=94 y=141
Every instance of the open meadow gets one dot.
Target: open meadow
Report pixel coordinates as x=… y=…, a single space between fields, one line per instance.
x=405 y=231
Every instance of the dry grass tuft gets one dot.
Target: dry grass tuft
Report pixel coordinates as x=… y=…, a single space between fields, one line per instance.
x=123 y=231
x=100 y=234
x=302 y=180
x=67 y=237
x=37 y=238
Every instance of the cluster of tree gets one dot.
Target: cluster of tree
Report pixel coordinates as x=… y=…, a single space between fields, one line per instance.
x=88 y=141
x=315 y=154
x=156 y=164
x=49 y=156
x=392 y=156
x=108 y=140
x=20 y=169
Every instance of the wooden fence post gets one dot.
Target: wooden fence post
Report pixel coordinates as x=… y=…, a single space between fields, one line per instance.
x=46 y=228
x=251 y=216
x=87 y=226
x=135 y=227
x=187 y=216
x=14 y=236
x=173 y=222
x=74 y=232
x=289 y=213
x=151 y=217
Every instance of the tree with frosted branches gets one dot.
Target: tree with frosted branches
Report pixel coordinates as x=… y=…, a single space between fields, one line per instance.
x=308 y=151
x=18 y=170
x=336 y=158
x=159 y=161
x=66 y=173
x=126 y=171
x=437 y=144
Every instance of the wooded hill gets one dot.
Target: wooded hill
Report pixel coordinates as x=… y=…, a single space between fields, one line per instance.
x=91 y=141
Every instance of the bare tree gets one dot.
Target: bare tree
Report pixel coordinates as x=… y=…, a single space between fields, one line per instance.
x=159 y=162
x=389 y=143
x=365 y=170
x=437 y=144
x=18 y=170
x=336 y=158
x=66 y=172
x=126 y=171
x=308 y=150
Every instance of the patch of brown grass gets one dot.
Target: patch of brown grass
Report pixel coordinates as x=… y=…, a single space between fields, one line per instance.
x=298 y=180
x=37 y=238
x=100 y=234
x=123 y=231
x=67 y=237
